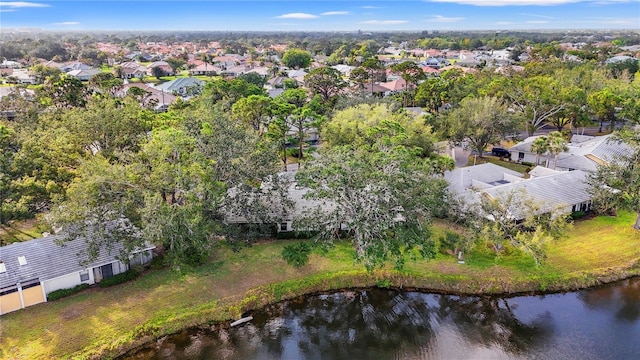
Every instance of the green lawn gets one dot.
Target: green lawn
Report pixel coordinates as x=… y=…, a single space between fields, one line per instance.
x=496 y=160
x=22 y=231
x=162 y=301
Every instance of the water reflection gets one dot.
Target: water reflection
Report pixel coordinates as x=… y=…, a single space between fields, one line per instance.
x=379 y=324
x=490 y=321
x=621 y=301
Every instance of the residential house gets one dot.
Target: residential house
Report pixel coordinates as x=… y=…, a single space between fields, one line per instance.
x=584 y=152
x=31 y=270
x=429 y=71
x=297 y=75
x=566 y=190
x=6 y=71
x=183 y=86
x=396 y=86
x=84 y=75
x=280 y=217
x=23 y=76
x=233 y=71
x=205 y=69
x=8 y=64
x=156 y=99
x=131 y=69
x=166 y=68
x=228 y=61
x=345 y=70
x=75 y=65
x=260 y=70
x=435 y=63
x=464 y=69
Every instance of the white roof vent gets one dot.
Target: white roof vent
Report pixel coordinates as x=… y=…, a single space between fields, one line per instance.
x=22 y=260
x=3 y=267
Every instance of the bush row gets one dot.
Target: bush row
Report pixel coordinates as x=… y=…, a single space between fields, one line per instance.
x=119 y=279
x=58 y=294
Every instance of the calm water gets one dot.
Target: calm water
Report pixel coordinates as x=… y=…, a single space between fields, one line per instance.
x=602 y=323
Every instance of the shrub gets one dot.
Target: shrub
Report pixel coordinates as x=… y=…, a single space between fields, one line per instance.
x=292 y=152
x=284 y=235
x=577 y=215
x=529 y=164
x=296 y=254
x=450 y=241
x=58 y=294
x=383 y=283
x=158 y=262
x=119 y=279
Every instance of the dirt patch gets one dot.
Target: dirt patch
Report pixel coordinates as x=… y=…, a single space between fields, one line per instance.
x=70 y=313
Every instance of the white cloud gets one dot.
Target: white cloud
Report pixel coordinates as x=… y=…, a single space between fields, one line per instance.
x=297 y=16
x=384 y=22
x=281 y=24
x=64 y=23
x=509 y=2
x=611 y=2
x=22 y=4
x=7 y=10
x=329 y=13
x=442 y=19
x=540 y=16
x=537 y=22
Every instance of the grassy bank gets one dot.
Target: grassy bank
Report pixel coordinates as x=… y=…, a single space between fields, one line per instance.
x=106 y=321
x=22 y=231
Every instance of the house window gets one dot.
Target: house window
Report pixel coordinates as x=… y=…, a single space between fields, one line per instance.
x=29 y=284
x=284 y=226
x=3 y=267
x=8 y=290
x=22 y=260
x=84 y=276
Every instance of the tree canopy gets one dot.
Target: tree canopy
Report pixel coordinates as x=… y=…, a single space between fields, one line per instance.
x=382 y=196
x=296 y=59
x=479 y=121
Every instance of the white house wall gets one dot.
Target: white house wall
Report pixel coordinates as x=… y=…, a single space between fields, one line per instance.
x=141 y=258
x=65 y=282
x=528 y=157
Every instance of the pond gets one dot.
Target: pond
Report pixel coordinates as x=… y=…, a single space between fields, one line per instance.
x=599 y=323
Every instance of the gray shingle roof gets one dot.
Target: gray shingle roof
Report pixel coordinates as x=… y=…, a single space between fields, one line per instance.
x=564 y=189
x=551 y=190
x=524 y=145
x=586 y=155
x=461 y=179
x=180 y=83
x=610 y=150
x=47 y=260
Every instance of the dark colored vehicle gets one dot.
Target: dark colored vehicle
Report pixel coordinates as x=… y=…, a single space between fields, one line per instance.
x=497 y=151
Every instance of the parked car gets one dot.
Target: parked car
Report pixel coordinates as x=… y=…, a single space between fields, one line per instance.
x=501 y=152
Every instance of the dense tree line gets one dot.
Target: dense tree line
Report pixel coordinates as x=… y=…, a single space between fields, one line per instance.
x=108 y=170
x=341 y=46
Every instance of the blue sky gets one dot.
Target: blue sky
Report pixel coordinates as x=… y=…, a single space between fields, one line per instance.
x=374 y=15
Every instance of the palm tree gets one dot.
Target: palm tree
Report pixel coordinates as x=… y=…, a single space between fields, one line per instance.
x=557 y=144
x=540 y=146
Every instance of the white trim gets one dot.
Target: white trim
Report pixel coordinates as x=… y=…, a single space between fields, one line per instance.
x=19 y=285
x=44 y=293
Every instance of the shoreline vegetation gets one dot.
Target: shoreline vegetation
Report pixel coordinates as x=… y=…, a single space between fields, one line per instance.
x=107 y=323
